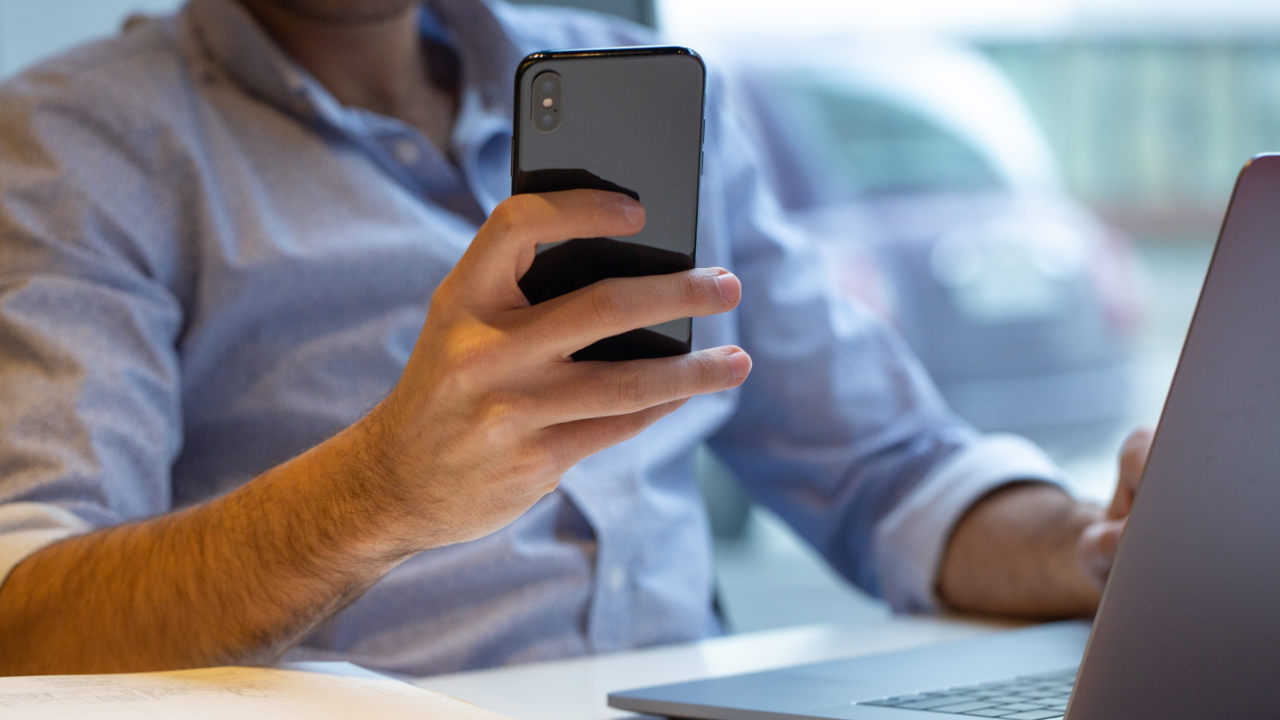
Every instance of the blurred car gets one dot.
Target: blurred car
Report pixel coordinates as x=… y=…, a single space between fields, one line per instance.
x=936 y=200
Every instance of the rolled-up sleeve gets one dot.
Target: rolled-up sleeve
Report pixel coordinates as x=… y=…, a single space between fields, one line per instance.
x=89 y=390
x=839 y=429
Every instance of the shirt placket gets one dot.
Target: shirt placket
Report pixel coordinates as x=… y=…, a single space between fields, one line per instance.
x=610 y=508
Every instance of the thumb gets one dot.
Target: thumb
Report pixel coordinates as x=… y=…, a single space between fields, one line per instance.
x=1096 y=548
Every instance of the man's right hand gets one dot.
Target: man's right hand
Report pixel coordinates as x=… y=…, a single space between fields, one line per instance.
x=491 y=410
x=486 y=417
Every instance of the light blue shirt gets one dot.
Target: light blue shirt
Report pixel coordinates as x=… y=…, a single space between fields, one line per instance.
x=208 y=265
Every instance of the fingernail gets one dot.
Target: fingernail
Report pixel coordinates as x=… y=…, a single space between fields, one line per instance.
x=726 y=286
x=633 y=210
x=739 y=365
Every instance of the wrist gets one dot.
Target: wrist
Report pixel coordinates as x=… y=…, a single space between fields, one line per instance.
x=389 y=472
x=335 y=506
x=365 y=475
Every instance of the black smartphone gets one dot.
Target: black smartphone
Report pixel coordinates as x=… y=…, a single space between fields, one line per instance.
x=628 y=120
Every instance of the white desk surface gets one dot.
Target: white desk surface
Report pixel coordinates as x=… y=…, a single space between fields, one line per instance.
x=575 y=689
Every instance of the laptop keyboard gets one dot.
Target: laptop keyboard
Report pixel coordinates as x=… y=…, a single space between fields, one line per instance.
x=1031 y=697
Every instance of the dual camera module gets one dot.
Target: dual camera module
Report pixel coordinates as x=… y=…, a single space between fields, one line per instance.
x=546 y=101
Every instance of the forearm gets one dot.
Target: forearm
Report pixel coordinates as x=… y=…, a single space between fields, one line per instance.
x=487 y=417
x=1015 y=553
x=238 y=579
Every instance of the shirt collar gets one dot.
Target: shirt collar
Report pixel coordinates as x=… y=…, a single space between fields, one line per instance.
x=485 y=47
x=240 y=48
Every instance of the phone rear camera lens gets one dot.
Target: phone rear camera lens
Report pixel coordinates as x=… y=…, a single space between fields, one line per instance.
x=545 y=101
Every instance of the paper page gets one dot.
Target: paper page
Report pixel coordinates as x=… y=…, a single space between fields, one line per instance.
x=226 y=693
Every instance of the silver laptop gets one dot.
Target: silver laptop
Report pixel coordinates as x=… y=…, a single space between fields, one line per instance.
x=1189 y=625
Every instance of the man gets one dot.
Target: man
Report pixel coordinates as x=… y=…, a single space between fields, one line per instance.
x=229 y=433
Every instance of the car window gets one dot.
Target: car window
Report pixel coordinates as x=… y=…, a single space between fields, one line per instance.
x=857 y=144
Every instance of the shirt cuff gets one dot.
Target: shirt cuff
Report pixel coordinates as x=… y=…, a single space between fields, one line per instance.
x=910 y=540
x=25 y=527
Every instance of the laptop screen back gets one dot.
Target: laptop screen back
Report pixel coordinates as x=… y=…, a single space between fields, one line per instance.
x=1190 y=623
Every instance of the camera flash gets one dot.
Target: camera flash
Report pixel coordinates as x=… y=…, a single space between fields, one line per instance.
x=547 y=102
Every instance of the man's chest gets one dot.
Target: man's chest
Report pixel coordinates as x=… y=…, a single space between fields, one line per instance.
x=310 y=270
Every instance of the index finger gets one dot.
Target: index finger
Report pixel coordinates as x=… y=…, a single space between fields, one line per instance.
x=1133 y=459
x=572 y=321
x=504 y=247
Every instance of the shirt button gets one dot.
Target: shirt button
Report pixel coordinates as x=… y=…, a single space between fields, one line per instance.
x=407 y=152
x=617 y=578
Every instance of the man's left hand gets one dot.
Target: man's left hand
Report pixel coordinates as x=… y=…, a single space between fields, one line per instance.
x=1031 y=550
x=1096 y=548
